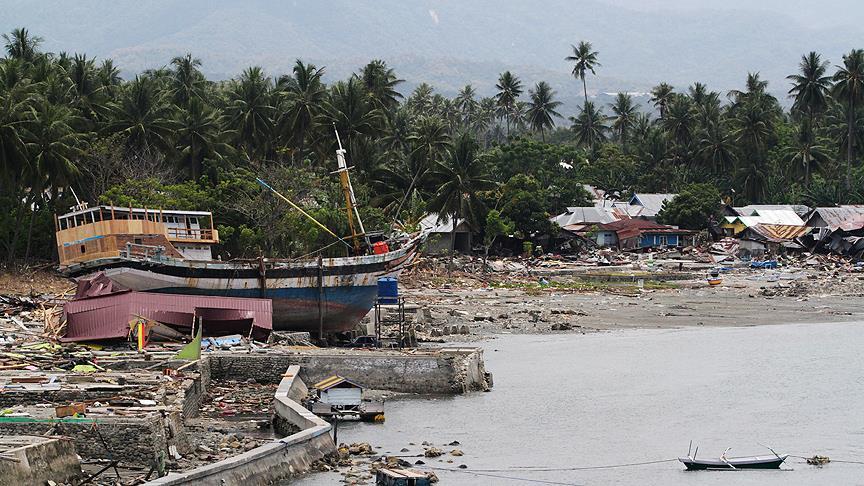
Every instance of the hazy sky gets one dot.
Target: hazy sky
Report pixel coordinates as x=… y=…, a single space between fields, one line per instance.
x=449 y=43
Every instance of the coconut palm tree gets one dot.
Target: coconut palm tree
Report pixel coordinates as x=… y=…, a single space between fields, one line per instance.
x=249 y=112
x=849 y=90
x=509 y=89
x=198 y=136
x=717 y=148
x=590 y=126
x=21 y=45
x=142 y=116
x=680 y=120
x=541 y=108
x=460 y=177
x=467 y=105
x=304 y=101
x=187 y=82
x=660 y=96
x=811 y=90
x=381 y=82
x=584 y=59
x=806 y=151
x=625 y=117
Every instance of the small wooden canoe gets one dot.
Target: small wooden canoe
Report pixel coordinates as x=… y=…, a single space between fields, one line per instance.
x=731 y=463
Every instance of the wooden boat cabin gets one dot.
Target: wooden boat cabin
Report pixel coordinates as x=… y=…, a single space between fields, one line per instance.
x=88 y=234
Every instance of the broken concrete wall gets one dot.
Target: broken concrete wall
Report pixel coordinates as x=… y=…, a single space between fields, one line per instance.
x=40 y=460
x=276 y=461
x=132 y=441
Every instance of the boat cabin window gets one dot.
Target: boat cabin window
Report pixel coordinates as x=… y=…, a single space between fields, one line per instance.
x=83 y=249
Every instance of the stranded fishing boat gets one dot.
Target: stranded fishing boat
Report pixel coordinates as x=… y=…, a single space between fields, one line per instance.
x=170 y=251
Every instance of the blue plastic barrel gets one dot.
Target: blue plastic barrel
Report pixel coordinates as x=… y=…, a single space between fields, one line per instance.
x=388 y=290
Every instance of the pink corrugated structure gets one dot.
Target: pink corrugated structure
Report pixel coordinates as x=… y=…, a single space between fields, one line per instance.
x=107 y=316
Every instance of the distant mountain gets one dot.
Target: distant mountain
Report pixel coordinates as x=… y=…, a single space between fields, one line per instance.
x=449 y=43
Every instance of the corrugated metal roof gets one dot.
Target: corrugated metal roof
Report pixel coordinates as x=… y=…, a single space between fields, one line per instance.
x=628 y=228
x=107 y=316
x=652 y=203
x=785 y=217
x=586 y=215
x=330 y=382
x=846 y=218
x=748 y=210
x=777 y=232
x=433 y=224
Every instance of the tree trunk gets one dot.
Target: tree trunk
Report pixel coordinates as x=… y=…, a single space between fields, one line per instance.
x=585 y=91
x=849 y=141
x=29 y=237
x=15 y=234
x=455 y=221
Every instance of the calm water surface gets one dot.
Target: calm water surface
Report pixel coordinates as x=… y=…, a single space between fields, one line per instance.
x=631 y=396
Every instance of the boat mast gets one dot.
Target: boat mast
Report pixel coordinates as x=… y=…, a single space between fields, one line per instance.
x=350 y=200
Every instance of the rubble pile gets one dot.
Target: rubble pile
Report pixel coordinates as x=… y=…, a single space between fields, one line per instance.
x=238 y=398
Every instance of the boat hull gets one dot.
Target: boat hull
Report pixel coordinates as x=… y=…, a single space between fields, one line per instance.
x=733 y=463
x=332 y=295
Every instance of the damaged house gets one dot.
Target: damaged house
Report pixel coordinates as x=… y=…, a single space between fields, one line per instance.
x=837 y=229
x=763 y=239
x=636 y=234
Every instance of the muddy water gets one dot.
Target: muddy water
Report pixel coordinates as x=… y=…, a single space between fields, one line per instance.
x=568 y=401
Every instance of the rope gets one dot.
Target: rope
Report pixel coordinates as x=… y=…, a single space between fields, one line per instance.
x=575 y=468
x=829 y=460
x=500 y=476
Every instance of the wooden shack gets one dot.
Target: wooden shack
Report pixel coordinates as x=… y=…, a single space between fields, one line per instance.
x=340 y=393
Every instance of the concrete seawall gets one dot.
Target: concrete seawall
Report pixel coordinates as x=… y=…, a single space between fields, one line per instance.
x=278 y=460
x=445 y=370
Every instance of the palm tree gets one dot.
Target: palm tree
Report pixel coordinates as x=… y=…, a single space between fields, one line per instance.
x=625 y=117
x=717 y=148
x=590 y=126
x=356 y=118
x=461 y=176
x=187 y=82
x=198 y=136
x=305 y=101
x=541 y=108
x=21 y=45
x=584 y=59
x=660 y=96
x=679 y=120
x=467 y=105
x=142 y=116
x=805 y=151
x=849 y=90
x=811 y=90
x=509 y=89
x=811 y=87
x=17 y=97
x=381 y=82
x=249 y=112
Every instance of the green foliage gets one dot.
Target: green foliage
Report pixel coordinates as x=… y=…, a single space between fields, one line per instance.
x=693 y=208
x=496 y=225
x=525 y=202
x=170 y=138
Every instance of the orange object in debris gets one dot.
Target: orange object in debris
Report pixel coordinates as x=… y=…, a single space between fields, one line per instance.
x=69 y=410
x=380 y=247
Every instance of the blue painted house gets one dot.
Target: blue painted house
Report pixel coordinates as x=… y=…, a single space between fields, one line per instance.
x=635 y=234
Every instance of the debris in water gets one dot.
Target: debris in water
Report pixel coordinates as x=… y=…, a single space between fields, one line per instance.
x=818 y=460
